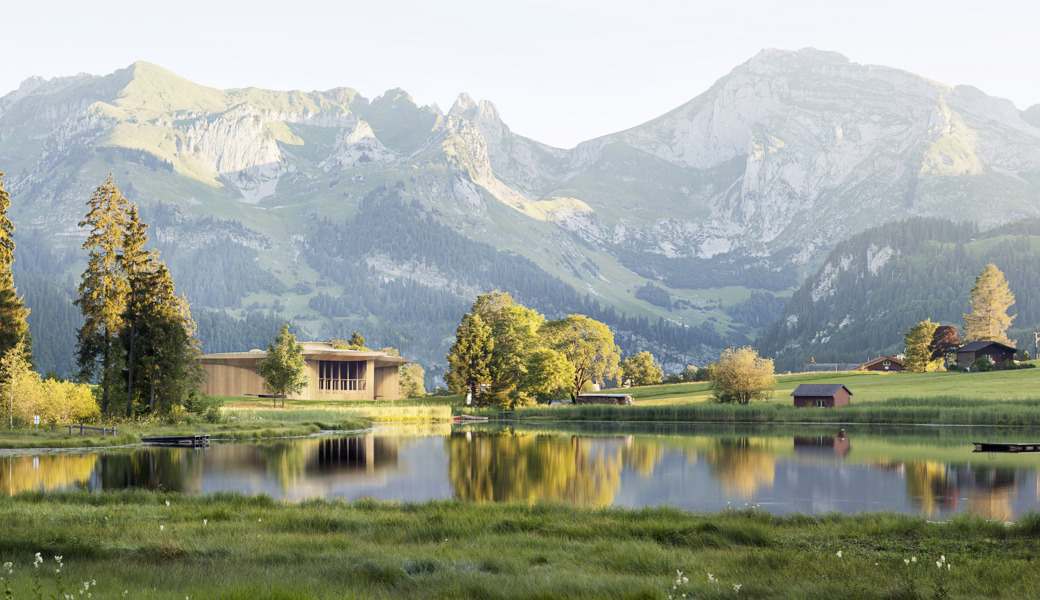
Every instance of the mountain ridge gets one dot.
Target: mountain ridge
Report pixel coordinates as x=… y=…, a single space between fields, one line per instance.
x=715 y=210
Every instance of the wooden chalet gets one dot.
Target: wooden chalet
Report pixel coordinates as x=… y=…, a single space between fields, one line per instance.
x=332 y=374
x=997 y=352
x=821 y=395
x=890 y=364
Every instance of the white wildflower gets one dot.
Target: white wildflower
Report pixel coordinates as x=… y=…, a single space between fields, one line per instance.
x=839 y=553
x=736 y=588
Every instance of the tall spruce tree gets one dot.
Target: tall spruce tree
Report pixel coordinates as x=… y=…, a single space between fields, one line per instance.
x=469 y=358
x=991 y=298
x=103 y=291
x=13 y=313
x=136 y=263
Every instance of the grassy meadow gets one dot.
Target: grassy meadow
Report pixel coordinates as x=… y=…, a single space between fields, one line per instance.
x=155 y=545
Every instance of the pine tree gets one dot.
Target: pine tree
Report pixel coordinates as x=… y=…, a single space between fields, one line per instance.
x=990 y=299
x=136 y=263
x=103 y=291
x=470 y=357
x=13 y=313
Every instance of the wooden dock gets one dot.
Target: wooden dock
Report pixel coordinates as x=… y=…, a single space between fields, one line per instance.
x=198 y=440
x=1007 y=446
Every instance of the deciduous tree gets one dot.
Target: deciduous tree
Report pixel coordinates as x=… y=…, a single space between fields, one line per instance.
x=411 y=377
x=641 y=369
x=990 y=299
x=944 y=342
x=740 y=375
x=514 y=331
x=918 y=352
x=588 y=345
x=283 y=369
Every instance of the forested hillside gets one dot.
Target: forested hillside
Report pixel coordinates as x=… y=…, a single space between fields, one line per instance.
x=876 y=285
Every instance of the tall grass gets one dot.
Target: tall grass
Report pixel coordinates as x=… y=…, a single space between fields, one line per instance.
x=947 y=410
x=234 y=546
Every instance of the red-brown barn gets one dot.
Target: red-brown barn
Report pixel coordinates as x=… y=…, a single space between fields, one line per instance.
x=883 y=363
x=821 y=395
x=997 y=352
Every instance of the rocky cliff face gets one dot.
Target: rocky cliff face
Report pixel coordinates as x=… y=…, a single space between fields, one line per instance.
x=745 y=185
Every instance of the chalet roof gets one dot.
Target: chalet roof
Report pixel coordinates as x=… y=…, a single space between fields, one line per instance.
x=976 y=346
x=819 y=389
x=881 y=358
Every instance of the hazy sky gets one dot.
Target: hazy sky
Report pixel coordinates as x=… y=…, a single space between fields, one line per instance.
x=560 y=71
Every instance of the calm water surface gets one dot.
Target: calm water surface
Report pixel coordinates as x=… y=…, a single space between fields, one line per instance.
x=923 y=470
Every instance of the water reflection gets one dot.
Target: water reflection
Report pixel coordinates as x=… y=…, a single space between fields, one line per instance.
x=928 y=472
x=511 y=466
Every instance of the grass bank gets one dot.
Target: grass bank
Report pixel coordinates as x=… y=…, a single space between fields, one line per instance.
x=228 y=546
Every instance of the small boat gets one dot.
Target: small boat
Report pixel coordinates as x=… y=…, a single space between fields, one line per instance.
x=1007 y=446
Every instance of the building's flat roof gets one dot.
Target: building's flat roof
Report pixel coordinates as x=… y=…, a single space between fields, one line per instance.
x=319 y=351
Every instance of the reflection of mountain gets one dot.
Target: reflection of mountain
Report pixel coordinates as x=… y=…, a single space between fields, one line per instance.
x=171 y=469
x=823 y=445
x=48 y=472
x=509 y=466
x=742 y=465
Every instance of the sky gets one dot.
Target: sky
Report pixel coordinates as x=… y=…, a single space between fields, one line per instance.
x=559 y=71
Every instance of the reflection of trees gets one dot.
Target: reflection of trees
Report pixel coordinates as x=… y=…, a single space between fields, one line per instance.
x=642 y=456
x=935 y=486
x=48 y=472
x=931 y=486
x=152 y=468
x=286 y=461
x=509 y=466
x=742 y=465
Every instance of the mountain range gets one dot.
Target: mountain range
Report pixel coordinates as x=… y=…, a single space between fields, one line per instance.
x=338 y=213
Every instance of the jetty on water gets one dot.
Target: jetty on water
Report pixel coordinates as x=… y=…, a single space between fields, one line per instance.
x=1007 y=446
x=197 y=440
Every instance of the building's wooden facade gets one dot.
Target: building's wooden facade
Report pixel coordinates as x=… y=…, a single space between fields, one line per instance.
x=889 y=364
x=331 y=374
x=821 y=395
x=997 y=352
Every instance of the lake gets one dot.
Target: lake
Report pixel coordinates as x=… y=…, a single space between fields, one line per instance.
x=929 y=471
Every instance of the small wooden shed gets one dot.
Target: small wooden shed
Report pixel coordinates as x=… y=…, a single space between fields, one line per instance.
x=821 y=395
x=618 y=399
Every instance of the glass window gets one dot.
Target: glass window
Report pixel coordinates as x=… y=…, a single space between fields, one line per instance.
x=341 y=375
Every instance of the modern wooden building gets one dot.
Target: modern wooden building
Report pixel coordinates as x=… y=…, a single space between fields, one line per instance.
x=821 y=395
x=331 y=374
x=890 y=364
x=997 y=352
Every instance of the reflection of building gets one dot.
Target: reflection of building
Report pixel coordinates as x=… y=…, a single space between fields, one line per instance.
x=331 y=374
x=822 y=444
x=356 y=453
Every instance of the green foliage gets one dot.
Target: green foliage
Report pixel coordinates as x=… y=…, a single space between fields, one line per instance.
x=990 y=299
x=356 y=342
x=411 y=379
x=588 y=345
x=14 y=327
x=103 y=289
x=469 y=359
x=740 y=376
x=918 y=341
x=548 y=375
x=641 y=369
x=283 y=368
